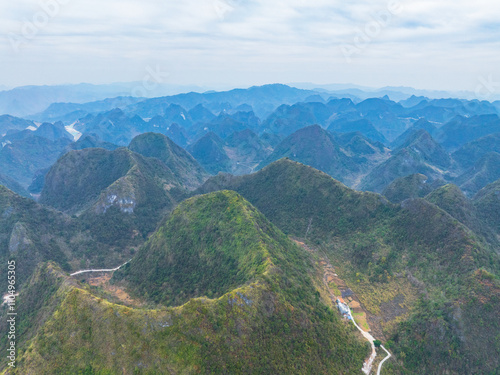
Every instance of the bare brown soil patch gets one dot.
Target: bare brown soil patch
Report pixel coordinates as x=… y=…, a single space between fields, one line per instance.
x=116 y=292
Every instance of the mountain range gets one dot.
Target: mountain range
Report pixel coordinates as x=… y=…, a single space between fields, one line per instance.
x=241 y=231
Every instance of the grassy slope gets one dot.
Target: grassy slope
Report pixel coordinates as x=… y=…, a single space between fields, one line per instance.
x=44 y=291
x=374 y=243
x=274 y=322
x=153 y=190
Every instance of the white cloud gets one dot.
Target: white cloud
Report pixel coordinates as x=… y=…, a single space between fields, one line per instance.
x=253 y=41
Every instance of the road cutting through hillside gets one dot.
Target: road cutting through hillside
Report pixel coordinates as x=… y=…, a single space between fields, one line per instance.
x=367 y=366
x=385 y=359
x=329 y=277
x=102 y=270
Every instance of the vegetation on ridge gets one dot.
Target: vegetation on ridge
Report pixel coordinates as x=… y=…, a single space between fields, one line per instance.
x=374 y=242
x=268 y=315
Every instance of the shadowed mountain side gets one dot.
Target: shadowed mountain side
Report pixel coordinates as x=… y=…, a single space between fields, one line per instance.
x=470 y=153
x=412 y=186
x=418 y=125
x=419 y=154
x=487 y=203
x=13 y=185
x=8 y=122
x=485 y=171
x=21 y=159
x=185 y=168
x=452 y=200
x=320 y=149
x=119 y=196
x=365 y=127
x=462 y=130
x=209 y=152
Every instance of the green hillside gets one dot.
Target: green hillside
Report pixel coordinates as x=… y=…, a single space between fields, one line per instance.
x=77 y=179
x=485 y=171
x=209 y=246
x=115 y=193
x=209 y=152
x=44 y=291
x=363 y=126
x=268 y=312
x=419 y=154
x=31 y=233
x=452 y=200
x=21 y=159
x=13 y=185
x=443 y=276
x=318 y=148
x=183 y=166
x=487 y=203
x=290 y=194
x=27 y=235
x=13 y=123
x=412 y=186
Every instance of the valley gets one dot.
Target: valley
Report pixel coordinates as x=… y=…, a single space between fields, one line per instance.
x=357 y=314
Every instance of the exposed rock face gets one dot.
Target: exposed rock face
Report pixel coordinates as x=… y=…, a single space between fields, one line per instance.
x=126 y=205
x=121 y=194
x=19 y=238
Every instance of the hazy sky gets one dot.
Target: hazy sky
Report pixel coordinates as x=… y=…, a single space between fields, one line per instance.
x=437 y=44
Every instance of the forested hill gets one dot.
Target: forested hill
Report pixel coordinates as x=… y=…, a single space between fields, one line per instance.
x=441 y=271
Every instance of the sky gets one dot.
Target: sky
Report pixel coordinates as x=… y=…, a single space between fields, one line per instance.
x=427 y=44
